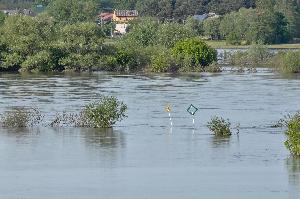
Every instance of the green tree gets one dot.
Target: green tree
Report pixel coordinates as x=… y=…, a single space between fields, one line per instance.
x=212 y=28
x=142 y=33
x=193 y=54
x=25 y=36
x=195 y=25
x=226 y=6
x=291 y=12
x=148 y=8
x=124 y=4
x=72 y=11
x=2 y=17
x=170 y=33
x=254 y=25
x=83 y=44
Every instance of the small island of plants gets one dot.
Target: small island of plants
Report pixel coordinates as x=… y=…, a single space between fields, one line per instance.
x=103 y=113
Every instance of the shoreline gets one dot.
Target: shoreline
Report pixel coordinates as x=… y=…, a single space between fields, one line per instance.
x=223 y=45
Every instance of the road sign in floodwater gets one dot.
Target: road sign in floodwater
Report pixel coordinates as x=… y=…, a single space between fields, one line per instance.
x=192 y=111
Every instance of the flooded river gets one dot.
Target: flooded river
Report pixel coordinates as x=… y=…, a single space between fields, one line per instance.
x=143 y=157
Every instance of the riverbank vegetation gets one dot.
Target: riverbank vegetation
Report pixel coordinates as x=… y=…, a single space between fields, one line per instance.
x=259 y=56
x=166 y=38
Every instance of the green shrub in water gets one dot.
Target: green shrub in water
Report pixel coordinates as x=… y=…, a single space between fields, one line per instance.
x=104 y=113
x=219 y=126
x=293 y=134
x=21 y=117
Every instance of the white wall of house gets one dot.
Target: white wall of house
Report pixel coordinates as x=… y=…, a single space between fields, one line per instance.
x=121 y=28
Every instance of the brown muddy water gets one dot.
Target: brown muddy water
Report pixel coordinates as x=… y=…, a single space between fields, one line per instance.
x=142 y=157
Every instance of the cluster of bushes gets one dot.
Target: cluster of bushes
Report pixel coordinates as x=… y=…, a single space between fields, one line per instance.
x=167 y=47
x=270 y=21
x=21 y=117
x=286 y=62
x=258 y=55
x=103 y=113
x=253 y=25
x=42 y=44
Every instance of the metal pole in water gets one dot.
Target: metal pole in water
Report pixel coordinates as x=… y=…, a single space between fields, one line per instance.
x=193 y=124
x=170 y=119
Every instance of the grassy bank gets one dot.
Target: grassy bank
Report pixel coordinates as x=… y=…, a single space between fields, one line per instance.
x=223 y=44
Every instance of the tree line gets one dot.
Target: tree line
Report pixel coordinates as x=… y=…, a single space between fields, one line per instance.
x=66 y=37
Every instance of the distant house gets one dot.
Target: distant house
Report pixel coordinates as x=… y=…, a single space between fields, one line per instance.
x=203 y=17
x=105 y=17
x=124 y=16
x=121 y=29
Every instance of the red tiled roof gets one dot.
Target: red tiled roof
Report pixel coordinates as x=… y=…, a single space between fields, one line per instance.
x=106 y=16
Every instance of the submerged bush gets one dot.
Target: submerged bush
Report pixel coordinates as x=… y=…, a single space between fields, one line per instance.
x=21 y=117
x=103 y=113
x=287 y=62
x=256 y=56
x=293 y=134
x=219 y=126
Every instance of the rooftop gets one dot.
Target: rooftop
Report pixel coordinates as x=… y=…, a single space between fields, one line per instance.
x=126 y=13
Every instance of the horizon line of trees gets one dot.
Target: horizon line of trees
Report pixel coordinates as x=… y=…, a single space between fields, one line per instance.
x=66 y=37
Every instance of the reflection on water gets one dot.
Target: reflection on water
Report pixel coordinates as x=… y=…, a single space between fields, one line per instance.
x=22 y=135
x=106 y=138
x=293 y=165
x=220 y=142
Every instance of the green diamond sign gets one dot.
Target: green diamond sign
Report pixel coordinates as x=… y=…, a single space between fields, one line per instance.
x=192 y=109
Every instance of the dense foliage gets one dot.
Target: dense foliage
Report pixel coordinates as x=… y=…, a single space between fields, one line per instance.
x=66 y=37
x=219 y=126
x=73 y=11
x=103 y=113
x=256 y=56
x=21 y=117
x=293 y=135
x=287 y=62
x=194 y=53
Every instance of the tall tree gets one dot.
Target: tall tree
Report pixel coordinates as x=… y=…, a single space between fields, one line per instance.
x=291 y=11
x=73 y=11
